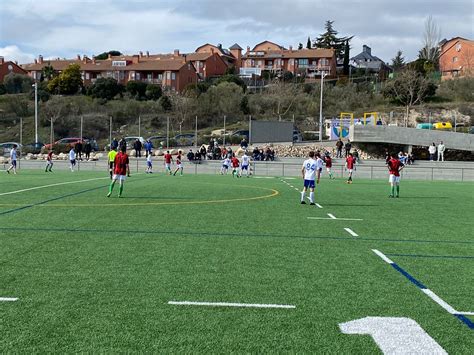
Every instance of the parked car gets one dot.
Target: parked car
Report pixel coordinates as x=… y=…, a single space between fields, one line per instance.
x=130 y=140
x=71 y=141
x=185 y=139
x=443 y=125
x=241 y=133
x=158 y=141
x=7 y=146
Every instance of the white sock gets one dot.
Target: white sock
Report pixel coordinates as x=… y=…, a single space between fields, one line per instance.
x=311 y=197
x=302 y=195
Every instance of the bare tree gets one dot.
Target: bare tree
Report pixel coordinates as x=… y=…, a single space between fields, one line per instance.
x=283 y=96
x=431 y=39
x=53 y=110
x=183 y=105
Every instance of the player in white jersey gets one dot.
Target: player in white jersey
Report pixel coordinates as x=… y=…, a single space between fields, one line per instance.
x=225 y=166
x=149 y=165
x=72 y=158
x=245 y=164
x=12 y=160
x=309 y=172
x=319 y=163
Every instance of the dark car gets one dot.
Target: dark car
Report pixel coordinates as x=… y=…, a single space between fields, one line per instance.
x=185 y=139
x=158 y=141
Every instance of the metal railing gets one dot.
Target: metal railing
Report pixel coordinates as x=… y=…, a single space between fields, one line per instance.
x=276 y=169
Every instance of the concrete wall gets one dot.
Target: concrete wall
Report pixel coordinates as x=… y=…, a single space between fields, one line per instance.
x=410 y=136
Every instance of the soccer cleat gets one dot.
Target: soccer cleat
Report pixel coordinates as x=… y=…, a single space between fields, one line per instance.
x=303 y=202
x=391 y=196
x=8 y=171
x=119 y=196
x=312 y=204
x=397 y=196
x=108 y=195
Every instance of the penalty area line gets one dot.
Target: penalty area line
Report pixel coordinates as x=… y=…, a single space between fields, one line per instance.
x=230 y=304
x=8 y=299
x=351 y=232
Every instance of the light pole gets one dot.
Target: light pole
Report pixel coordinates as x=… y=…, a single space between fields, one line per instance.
x=36 y=112
x=323 y=74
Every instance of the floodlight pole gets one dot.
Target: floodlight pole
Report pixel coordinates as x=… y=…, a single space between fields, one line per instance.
x=82 y=118
x=21 y=130
x=110 y=132
x=139 y=126
x=321 y=108
x=36 y=112
x=196 y=134
x=224 y=133
x=167 y=132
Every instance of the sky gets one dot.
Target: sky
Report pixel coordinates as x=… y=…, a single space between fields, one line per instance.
x=65 y=28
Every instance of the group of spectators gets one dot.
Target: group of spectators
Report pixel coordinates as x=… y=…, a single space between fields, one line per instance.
x=440 y=149
x=85 y=148
x=267 y=154
x=340 y=145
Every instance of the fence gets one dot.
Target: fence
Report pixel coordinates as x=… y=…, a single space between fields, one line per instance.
x=275 y=169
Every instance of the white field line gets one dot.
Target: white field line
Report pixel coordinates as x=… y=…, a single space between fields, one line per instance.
x=8 y=299
x=351 y=232
x=227 y=304
x=51 y=185
x=465 y=313
x=263 y=177
x=332 y=216
x=439 y=301
x=290 y=178
x=319 y=206
x=382 y=256
x=336 y=219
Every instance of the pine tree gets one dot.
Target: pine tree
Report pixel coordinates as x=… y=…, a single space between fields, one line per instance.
x=308 y=43
x=346 y=58
x=398 y=62
x=329 y=39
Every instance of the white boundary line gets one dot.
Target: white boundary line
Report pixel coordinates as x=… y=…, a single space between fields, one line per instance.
x=336 y=219
x=51 y=185
x=228 y=304
x=439 y=301
x=465 y=313
x=319 y=206
x=8 y=299
x=351 y=232
x=382 y=256
x=332 y=216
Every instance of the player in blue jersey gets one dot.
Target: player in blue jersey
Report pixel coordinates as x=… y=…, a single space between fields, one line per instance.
x=309 y=172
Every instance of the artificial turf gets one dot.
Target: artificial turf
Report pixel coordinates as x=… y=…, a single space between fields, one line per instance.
x=95 y=274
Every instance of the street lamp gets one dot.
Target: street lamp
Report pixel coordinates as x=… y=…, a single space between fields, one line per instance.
x=35 y=85
x=323 y=74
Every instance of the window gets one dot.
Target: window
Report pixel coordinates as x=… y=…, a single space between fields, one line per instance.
x=137 y=76
x=149 y=76
x=168 y=75
x=458 y=47
x=173 y=76
x=88 y=76
x=303 y=62
x=291 y=62
x=455 y=59
x=160 y=76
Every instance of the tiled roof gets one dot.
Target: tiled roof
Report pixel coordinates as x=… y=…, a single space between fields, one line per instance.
x=235 y=46
x=198 y=56
x=302 y=53
x=159 y=65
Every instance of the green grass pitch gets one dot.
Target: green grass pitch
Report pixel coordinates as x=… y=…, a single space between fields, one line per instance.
x=95 y=274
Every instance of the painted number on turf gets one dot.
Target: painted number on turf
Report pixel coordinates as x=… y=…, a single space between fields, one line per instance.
x=394 y=335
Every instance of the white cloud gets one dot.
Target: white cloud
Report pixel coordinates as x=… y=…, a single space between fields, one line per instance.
x=13 y=53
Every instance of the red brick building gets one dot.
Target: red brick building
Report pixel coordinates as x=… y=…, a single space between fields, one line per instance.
x=7 y=67
x=207 y=64
x=456 y=58
x=269 y=56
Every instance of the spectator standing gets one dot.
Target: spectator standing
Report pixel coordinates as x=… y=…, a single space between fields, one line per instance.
x=120 y=144
x=115 y=144
x=348 y=147
x=432 y=151
x=79 y=150
x=243 y=144
x=441 y=149
x=203 y=151
x=148 y=146
x=138 y=148
x=339 y=146
x=190 y=155
x=87 y=149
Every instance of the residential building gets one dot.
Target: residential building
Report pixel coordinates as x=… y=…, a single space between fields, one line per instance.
x=271 y=57
x=7 y=67
x=226 y=54
x=456 y=58
x=370 y=63
x=171 y=71
x=207 y=64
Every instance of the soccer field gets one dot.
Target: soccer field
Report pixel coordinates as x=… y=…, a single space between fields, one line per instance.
x=80 y=272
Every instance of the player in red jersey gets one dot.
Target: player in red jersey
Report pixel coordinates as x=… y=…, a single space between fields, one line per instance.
x=121 y=170
x=350 y=166
x=168 y=161
x=328 y=162
x=394 y=167
x=235 y=165
x=49 y=162
x=179 y=164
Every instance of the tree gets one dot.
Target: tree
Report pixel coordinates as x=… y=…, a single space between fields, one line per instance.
x=105 y=88
x=137 y=89
x=431 y=38
x=329 y=39
x=17 y=83
x=105 y=55
x=346 y=58
x=19 y=105
x=48 y=72
x=398 y=62
x=69 y=82
x=300 y=46
x=153 y=92
x=165 y=103
x=182 y=105
x=232 y=78
x=409 y=88
x=282 y=96
x=308 y=43
x=244 y=105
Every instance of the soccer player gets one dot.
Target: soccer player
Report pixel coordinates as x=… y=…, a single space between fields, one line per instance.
x=309 y=171
x=350 y=163
x=49 y=162
x=72 y=158
x=149 y=165
x=179 y=165
x=111 y=156
x=168 y=161
x=225 y=166
x=319 y=163
x=328 y=162
x=121 y=170
x=394 y=167
x=245 y=164
x=12 y=160
x=235 y=165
